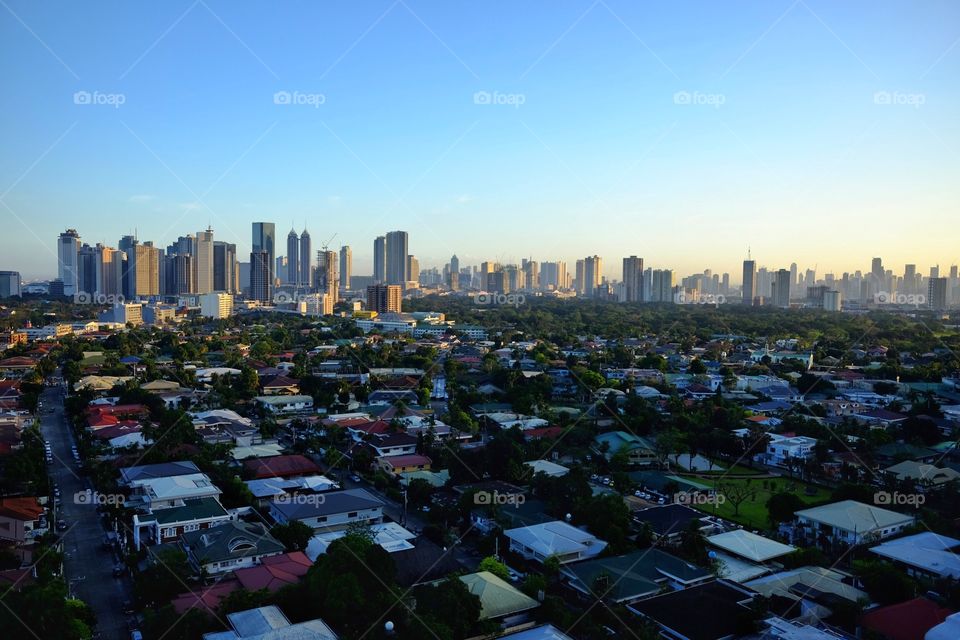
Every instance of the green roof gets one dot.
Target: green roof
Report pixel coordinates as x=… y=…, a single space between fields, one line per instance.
x=497 y=597
x=631 y=575
x=195 y=509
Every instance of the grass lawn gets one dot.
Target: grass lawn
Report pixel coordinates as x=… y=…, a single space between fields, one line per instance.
x=753 y=510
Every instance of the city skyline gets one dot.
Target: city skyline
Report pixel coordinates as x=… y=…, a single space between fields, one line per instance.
x=795 y=130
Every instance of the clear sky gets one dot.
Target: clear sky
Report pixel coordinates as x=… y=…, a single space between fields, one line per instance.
x=813 y=131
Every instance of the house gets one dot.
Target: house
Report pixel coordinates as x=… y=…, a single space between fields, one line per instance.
x=924 y=554
x=781 y=449
x=269 y=623
x=267 y=489
x=167 y=525
x=543 y=632
x=21 y=519
x=392 y=396
x=274 y=572
x=425 y=562
x=280 y=386
x=389 y=535
x=393 y=444
x=329 y=511
x=551 y=469
x=880 y=417
x=627 y=578
x=639 y=451
x=226 y=426
x=396 y=465
x=172 y=491
x=288 y=466
x=809 y=594
x=670 y=520
x=742 y=555
x=499 y=600
x=924 y=475
x=709 y=611
x=949 y=629
x=559 y=539
x=909 y=620
x=228 y=546
x=129 y=475
x=849 y=522
x=286 y=404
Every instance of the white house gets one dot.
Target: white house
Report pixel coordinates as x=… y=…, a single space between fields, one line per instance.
x=558 y=539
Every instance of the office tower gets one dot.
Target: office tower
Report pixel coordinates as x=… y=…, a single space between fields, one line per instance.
x=549 y=276
x=909 y=284
x=397 y=244
x=780 y=289
x=511 y=278
x=725 y=284
x=937 y=293
x=579 y=277
x=749 y=288
x=264 y=235
x=346 y=266
x=876 y=270
x=384 y=298
x=293 y=258
x=453 y=278
x=110 y=271
x=261 y=281
x=935 y=271
x=280 y=268
x=126 y=245
x=816 y=296
x=306 y=269
x=181 y=276
x=87 y=259
x=380 y=259
x=413 y=269
x=832 y=300
x=793 y=274
x=203 y=262
x=455 y=264
x=661 y=285
x=68 y=249
x=633 y=279
x=531 y=275
x=327 y=280
x=494 y=282
x=225 y=267
x=9 y=284
x=146 y=270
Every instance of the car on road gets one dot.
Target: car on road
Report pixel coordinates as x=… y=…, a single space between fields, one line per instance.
x=356 y=478
x=62 y=525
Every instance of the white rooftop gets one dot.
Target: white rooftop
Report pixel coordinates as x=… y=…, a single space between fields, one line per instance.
x=389 y=535
x=928 y=551
x=556 y=538
x=194 y=485
x=853 y=516
x=749 y=545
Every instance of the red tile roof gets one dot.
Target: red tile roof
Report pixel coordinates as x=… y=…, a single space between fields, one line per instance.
x=280 y=467
x=275 y=572
x=407 y=461
x=908 y=620
x=27 y=509
x=206 y=599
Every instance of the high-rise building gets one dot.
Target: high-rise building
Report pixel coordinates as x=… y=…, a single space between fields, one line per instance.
x=68 y=249
x=397 y=243
x=661 y=285
x=384 y=298
x=10 y=284
x=216 y=305
x=327 y=280
x=453 y=277
x=780 y=290
x=550 y=278
x=261 y=282
x=876 y=269
x=146 y=270
x=264 y=236
x=413 y=269
x=531 y=275
x=180 y=279
x=225 y=267
x=346 y=266
x=749 y=288
x=592 y=275
x=937 y=293
x=110 y=271
x=293 y=258
x=128 y=277
x=203 y=262
x=832 y=301
x=306 y=269
x=87 y=260
x=380 y=259
x=633 y=279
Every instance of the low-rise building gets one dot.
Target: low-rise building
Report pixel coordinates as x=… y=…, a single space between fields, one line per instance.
x=329 y=511
x=849 y=522
x=228 y=547
x=554 y=539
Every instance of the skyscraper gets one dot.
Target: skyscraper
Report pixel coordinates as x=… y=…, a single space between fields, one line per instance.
x=592 y=275
x=326 y=279
x=633 y=279
x=68 y=249
x=346 y=266
x=203 y=262
x=225 y=267
x=413 y=269
x=384 y=298
x=293 y=258
x=128 y=275
x=453 y=278
x=306 y=269
x=781 y=289
x=261 y=282
x=397 y=243
x=661 y=285
x=380 y=259
x=937 y=294
x=264 y=236
x=9 y=284
x=749 y=288
x=146 y=270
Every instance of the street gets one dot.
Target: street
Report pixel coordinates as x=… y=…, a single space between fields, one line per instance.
x=88 y=567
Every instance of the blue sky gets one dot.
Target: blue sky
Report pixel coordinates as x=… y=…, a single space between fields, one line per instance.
x=816 y=132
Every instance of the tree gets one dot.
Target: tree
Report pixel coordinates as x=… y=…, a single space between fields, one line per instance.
x=884 y=582
x=494 y=566
x=781 y=507
x=736 y=493
x=295 y=535
x=448 y=607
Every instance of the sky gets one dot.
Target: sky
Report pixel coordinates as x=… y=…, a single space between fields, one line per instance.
x=808 y=131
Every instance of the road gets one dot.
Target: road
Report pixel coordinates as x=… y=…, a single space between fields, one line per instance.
x=88 y=567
